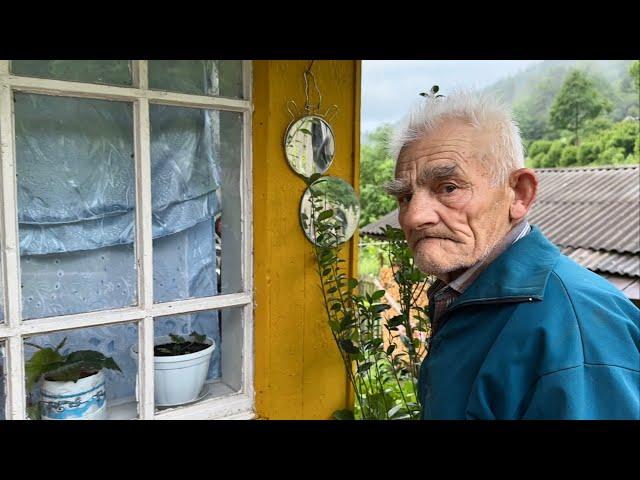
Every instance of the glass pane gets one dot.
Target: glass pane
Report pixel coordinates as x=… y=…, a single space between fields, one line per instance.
x=87 y=384
x=76 y=204
x=1 y=274
x=111 y=72
x=198 y=77
x=196 y=171
x=3 y=390
x=214 y=365
x=1 y=283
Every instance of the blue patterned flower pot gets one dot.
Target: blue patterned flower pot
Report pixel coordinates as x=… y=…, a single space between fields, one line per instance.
x=81 y=400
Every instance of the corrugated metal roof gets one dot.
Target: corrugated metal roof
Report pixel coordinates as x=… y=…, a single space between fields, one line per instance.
x=591 y=213
x=627 y=285
x=605 y=262
x=374 y=229
x=592 y=208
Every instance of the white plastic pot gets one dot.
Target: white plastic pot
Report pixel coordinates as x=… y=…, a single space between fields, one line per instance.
x=81 y=400
x=179 y=379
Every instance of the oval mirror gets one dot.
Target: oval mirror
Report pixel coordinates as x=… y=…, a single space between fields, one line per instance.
x=329 y=193
x=309 y=145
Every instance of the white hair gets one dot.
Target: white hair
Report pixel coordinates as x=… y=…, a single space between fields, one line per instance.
x=480 y=110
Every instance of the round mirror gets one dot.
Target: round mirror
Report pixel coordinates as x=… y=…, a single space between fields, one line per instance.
x=309 y=145
x=329 y=193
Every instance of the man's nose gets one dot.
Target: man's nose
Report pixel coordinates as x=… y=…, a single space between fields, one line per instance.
x=421 y=212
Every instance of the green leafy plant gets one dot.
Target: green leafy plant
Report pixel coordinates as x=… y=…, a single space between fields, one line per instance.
x=50 y=364
x=383 y=377
x=54 y=366
x=181 y=346
x=411 y=283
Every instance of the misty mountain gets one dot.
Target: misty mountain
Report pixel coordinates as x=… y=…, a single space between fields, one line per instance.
x=531 y=92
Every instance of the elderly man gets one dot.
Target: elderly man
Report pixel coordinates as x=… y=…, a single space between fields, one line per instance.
x=519 y=331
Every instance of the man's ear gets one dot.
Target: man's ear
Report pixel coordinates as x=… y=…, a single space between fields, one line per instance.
x=524 y=184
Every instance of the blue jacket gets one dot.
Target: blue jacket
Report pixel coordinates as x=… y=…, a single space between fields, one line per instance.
x=536 y=336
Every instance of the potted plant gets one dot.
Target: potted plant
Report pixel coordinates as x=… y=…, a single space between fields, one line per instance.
x=73 y=385
x=180 y=367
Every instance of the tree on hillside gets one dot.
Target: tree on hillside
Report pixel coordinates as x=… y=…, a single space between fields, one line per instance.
x=376 y=167
x=532 y=112
x=634 y=71
x=577 y=101
x=629 y=87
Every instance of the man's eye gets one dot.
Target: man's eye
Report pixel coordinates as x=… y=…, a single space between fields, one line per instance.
x=449 y=188
x=404 y=199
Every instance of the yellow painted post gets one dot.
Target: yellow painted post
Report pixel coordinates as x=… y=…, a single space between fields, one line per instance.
x=355 y=249
x=298 y=371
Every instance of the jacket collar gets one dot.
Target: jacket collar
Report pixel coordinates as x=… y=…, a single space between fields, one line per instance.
x=520 y=273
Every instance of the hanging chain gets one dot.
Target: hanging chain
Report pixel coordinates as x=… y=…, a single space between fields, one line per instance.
x=310 y=108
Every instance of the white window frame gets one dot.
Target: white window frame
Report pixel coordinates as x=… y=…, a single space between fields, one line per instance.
x=225 y=403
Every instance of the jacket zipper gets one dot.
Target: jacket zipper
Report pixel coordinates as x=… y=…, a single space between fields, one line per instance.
x=479 y=301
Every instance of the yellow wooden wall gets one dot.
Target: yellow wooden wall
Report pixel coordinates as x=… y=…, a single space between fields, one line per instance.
x=298 y=371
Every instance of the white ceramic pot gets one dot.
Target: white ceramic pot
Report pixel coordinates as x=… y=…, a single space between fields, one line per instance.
x=179 y=379
x=81 y=400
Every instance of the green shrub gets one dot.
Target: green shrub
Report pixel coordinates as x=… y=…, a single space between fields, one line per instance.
x=596 y=126
x=612 y=156
x=553 y=156
x=606 y=144
x=539 y=147
x=569 y=156
x=588 y=153
x=623 y=135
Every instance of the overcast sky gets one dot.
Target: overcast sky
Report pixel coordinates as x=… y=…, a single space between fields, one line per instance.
x=389 y=87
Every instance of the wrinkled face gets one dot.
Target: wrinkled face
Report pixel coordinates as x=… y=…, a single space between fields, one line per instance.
x=450 y=214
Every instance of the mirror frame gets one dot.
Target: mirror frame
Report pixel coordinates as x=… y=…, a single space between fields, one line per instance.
x=302 y=201
x=286 y=135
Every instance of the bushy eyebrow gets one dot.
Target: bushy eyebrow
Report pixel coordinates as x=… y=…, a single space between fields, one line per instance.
x=401 y=186
x=434 y=174
x=398 y=187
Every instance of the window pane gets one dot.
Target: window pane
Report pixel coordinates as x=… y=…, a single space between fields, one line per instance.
x=3 y=373
x=198 y=77
x=1 y=283
x=98 y=392
x=76 y=204
x=1 y=270
x=214 y=360
x=195 y=169
x=111 y=72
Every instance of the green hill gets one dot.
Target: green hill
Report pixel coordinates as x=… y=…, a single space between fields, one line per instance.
x=532 y=91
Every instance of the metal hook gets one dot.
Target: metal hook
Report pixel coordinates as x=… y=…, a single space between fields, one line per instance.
x=307 y=105
x=291 y=103
x=331 y=116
